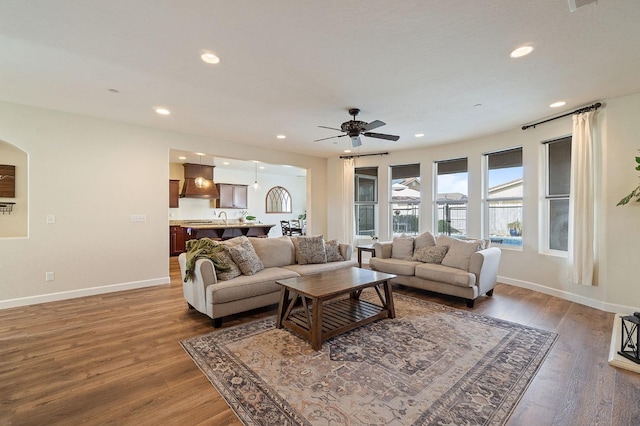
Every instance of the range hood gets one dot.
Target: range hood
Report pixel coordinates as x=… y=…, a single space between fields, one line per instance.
x=198 y=182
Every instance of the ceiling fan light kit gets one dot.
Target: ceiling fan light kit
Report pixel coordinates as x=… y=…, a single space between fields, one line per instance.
x=354 y=128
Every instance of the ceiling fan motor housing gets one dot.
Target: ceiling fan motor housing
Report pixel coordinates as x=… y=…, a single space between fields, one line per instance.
x=353 y=126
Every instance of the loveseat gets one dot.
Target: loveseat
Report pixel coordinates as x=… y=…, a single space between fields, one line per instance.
x=255 y=265
x=462 y=268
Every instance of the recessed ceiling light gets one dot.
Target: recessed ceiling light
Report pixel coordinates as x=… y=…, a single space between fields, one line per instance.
x=419 y=135
x=226 y=163
x=521 y=51
x=182 y=158
x=163 y=111
x=261 y=167
x=210 y=58
x=200 y=153
x=281 y=137
x=558 y=104
x=347 y=151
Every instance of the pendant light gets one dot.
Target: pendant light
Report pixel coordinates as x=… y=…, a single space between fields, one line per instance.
x=200 y=181
x=255 y=185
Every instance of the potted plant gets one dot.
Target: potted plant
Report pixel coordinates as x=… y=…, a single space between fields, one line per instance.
x=515 y=228
x=635 y=193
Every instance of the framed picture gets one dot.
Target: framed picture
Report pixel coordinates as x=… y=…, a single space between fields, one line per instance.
x=7 y=181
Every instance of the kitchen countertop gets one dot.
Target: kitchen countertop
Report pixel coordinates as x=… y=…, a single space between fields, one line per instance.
x=227 y=226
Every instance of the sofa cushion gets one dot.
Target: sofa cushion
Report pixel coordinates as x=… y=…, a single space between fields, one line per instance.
x=245 y=286
x=332 y=249
x=459 y=252
x=430 y=254
x=425 y=239
x=402 y=247
x=245 y=257
x=445 y=274
x=278 y=251
x=311 y=250
x=393 y=266
x=316 y=268
x=233 y=271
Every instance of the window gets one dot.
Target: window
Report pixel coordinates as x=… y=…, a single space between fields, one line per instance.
x=503 y=197
x=558 y=156
x=405 y=199
x=451 y=197
x=366 y=200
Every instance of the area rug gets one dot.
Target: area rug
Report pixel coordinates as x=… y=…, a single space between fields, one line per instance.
x=430 y=365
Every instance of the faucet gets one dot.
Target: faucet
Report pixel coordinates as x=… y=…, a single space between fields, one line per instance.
x=225 y=216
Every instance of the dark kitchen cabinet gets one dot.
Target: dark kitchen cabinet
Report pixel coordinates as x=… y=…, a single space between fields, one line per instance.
x=176 y=240
x=174 y=193
x=232 y=196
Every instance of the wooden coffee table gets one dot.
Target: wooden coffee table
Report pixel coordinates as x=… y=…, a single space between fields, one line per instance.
x=329 y=315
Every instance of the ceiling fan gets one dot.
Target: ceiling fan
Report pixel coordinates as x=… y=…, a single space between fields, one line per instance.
x=354 y=128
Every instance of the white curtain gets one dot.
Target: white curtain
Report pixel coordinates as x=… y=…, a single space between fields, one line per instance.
x=580 y=257
x=348 y=215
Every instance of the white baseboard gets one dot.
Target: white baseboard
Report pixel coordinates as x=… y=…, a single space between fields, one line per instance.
x=72 y=294
x=587 y=301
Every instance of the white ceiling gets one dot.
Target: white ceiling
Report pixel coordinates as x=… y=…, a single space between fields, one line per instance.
x=437 y=67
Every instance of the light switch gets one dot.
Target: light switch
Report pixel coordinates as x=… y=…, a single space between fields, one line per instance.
x=51 y=218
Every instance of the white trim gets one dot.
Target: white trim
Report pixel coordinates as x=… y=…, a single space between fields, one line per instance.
x=72 y=294
x=587 y=301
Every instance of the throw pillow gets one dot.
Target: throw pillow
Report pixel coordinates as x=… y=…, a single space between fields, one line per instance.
x=430 y=254
x=311 y=250
x=225 y=258
x=460 y=252
x=425 y=239
x=402 y=247
x=246 y=258
x=332 y=248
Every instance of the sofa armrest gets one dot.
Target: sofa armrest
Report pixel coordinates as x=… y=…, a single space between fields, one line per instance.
x=345 y=250
x=195 y=290
x=484 y=264
x=383 y=249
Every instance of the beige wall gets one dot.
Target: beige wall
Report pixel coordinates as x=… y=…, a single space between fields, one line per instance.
x=618 y=232
x=93 y=175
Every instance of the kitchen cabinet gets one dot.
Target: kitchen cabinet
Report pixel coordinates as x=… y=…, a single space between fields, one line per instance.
x=232 y=196
x=176 y=240
x=174 y=193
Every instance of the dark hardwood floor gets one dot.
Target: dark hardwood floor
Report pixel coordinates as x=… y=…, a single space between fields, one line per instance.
x=115 y=359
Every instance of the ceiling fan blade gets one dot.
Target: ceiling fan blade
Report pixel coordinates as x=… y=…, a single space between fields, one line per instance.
x=356 y=142
x=374 y=125
x=382 y=136
x=332 y=128
x=330 y=137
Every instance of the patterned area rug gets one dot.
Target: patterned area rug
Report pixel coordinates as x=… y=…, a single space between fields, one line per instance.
x=430 y=365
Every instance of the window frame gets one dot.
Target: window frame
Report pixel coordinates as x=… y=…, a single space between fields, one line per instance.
x=487 y=200
x=373 y=203
x=437 y=204
x=548 y=198
x=403 y=171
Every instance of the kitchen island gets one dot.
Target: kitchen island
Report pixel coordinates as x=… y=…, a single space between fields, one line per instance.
x=221 y=231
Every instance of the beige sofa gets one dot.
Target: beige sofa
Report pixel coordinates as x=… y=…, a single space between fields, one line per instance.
x=444 y=265
x=215 y=298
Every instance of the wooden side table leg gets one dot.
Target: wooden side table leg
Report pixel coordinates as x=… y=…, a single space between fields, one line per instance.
x=316 y=327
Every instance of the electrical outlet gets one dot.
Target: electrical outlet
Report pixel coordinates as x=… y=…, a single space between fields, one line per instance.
x=138 y=218
x=49 y=276
x=51 y=218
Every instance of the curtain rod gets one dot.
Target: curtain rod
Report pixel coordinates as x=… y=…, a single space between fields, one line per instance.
x=578 y=111
x=344 y=157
